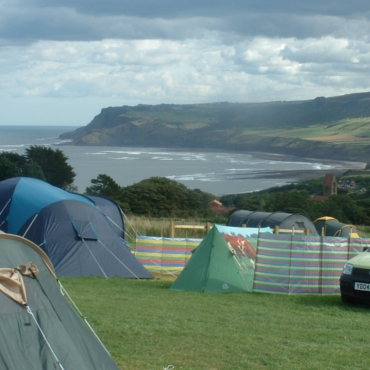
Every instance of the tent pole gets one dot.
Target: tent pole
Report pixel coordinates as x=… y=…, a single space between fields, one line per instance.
x=29 y=226
x=290 y=262
x=5 y=205
x=43 y=335
x=117 y=259
x=114 y=223
x=95 y=258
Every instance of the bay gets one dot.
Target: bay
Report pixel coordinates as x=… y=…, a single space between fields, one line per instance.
x=216 y=172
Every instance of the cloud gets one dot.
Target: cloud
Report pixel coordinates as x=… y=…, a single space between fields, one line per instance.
x=164 y=51
x=138 y=19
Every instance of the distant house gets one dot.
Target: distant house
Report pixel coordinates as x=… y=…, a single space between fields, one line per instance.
x=347 y=184
x=218 y=207
x=330 y=188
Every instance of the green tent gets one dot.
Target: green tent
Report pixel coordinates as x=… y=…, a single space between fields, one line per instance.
x=39 y=330
x=223 y=262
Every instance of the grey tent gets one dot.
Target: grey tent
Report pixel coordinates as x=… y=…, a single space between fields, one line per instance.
x=330 y=226
x=282 y=220
x=39 y=330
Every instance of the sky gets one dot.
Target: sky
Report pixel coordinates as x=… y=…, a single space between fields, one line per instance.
x=62 y=61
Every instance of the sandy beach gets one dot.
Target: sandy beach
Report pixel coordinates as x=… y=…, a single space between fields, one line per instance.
x=339 y=167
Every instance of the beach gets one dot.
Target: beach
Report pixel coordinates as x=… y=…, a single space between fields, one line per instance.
x=338 y=168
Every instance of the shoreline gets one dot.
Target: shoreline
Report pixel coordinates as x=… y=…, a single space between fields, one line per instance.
x=298 y=175
x=339 y=168
x=339 y=164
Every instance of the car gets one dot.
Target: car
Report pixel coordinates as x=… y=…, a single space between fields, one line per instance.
x=355 y=279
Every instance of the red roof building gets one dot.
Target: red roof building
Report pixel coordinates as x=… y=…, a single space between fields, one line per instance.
x=330 y=185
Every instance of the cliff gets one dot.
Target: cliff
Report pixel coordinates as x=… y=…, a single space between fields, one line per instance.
x=332 y=128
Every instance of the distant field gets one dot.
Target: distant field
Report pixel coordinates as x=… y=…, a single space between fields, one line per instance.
x=146 y=326
x=344 y=131
x=340 y=138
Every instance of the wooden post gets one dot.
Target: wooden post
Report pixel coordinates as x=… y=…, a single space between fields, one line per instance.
x=172 y=229
x=208 y=227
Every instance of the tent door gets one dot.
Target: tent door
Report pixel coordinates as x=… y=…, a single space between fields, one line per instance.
x=85 y=230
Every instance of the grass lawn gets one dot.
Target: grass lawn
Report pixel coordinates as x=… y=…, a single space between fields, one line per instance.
x=146 y=326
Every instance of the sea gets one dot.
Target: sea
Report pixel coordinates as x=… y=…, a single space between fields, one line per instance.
x=213 y=171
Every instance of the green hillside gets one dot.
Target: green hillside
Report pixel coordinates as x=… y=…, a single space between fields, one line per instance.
x=332 y=128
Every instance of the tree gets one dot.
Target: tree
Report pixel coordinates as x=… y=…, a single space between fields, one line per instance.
x=17 y=159
x=32 y=169
x=8 y=169
x=54 y=165
x=345 y=209
x=104 y=185
x=162 y=197
x=290 y=202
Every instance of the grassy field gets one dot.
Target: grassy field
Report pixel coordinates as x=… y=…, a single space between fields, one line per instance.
x=146 y=326
x=355 y=130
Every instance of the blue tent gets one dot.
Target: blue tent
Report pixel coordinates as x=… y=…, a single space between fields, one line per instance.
x=112 y=211
x=77 y=236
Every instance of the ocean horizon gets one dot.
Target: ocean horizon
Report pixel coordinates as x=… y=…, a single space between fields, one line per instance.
x=215 y=172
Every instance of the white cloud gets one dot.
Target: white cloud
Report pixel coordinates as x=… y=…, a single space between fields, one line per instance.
x=90 y=55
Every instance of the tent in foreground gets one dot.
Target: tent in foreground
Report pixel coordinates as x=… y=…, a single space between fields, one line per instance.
x=39 y=329
x=76 y=235
x=223 y=262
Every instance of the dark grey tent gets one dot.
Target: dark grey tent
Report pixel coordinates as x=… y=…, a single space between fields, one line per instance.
x=330 y=226
x=282 y=220
x=39 y=330
x=79 y=238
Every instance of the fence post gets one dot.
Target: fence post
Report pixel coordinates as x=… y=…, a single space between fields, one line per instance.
x=208 y=227
x=172 y=229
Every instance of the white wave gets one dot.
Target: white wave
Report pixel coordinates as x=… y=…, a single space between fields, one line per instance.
x=318 y=166
x=47 y=138
x=181 y=178
x=191 y=177
x=243 y=169
x=62 y=142
x=163 y=158
x=192 y=159
x=201 y=175
x=122 y=152
x=210 y=180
